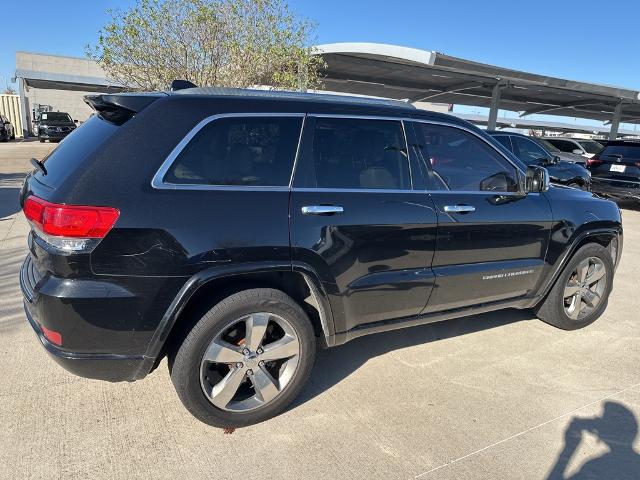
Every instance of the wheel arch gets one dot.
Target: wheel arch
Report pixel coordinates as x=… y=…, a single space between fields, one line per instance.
x=210 y=286
x=601 y=235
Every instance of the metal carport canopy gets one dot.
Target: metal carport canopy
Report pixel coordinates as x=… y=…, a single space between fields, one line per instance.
x=418 y=75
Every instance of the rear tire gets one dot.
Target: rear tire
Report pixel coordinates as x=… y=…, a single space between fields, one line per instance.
x=581 y=293
x=225 y=370
x=41 y=140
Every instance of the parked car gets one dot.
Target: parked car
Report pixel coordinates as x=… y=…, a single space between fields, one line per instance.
x=54 y=126
x=7 y=132
x=585 y=147
x=531 y=151
x=556 y=152
x=616 y=170
x=261 y=224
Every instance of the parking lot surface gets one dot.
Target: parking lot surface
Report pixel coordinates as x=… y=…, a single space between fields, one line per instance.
x=499 y=395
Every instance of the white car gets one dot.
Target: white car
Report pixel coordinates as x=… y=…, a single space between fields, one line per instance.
x=579 y=146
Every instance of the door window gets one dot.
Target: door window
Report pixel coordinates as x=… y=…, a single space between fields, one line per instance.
x=358 y=154
x=504 y=141
x=251 y=151
x=529 y=152
x=461 y=161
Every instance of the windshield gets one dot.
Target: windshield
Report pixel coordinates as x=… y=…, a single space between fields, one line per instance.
x=548 y=145
x=590 y=146
x=55 y=117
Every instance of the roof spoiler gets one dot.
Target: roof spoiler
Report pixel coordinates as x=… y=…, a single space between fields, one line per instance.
x=120 y=107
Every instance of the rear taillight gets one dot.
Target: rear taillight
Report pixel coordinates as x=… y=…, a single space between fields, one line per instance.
x=69 y=227
x=594 y=162
x=51 y=335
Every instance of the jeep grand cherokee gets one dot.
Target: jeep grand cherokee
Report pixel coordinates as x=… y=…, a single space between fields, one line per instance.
x=261 y=224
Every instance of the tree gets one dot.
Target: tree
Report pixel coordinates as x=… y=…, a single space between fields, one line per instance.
x=230 y=43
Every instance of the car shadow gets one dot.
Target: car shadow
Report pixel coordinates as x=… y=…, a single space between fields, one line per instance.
x=633 y=205
x=617 y=428
x=10 y=185
x=335 y=364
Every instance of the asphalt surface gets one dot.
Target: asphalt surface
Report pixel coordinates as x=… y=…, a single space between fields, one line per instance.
x=500 y=395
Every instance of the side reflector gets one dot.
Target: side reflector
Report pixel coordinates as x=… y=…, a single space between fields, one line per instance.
x=53 y=337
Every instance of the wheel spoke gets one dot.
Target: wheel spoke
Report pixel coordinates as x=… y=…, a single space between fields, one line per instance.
x=222 y=393
x=571 y=289
x=256 y=328
x=223 y=352
x=582 y=270
x=574 y=309
x=264 y=384
x=591 y=298
x=596 y=274
x=286 y=347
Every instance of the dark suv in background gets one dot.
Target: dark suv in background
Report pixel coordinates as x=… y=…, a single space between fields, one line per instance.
x=615 y=170
x=54 y=126
x=261 y=224
x=7 y=131
x=530 y=151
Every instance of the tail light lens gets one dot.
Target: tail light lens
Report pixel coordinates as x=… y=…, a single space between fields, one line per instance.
x=69 y=227
x=594 y=162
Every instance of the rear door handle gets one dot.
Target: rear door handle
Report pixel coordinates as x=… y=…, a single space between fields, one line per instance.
x=321 y=209
x=459 y=209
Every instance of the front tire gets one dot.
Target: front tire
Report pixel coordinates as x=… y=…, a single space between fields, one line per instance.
x=245 y=360
x=581 y=293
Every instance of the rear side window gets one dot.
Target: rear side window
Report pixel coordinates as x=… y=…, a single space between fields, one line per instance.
x=75 y=149
x=359 y=154
x=250 y=151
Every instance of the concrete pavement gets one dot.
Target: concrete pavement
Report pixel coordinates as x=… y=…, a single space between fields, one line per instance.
x=500 y=395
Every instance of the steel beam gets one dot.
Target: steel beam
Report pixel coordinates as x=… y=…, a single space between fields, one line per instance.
x=551 y=108
x=452 y=89
x=615 y=121
x=495 y=105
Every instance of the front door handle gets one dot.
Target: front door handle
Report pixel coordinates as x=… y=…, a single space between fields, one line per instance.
x=322 y=209
x=459 y=209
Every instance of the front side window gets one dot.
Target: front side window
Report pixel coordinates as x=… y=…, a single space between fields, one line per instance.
x=250 y=151
x=359 y=154
x=461 y=161
x=529 y=152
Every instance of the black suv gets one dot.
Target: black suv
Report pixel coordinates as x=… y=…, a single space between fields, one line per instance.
x=260 y=224
x=7 y=132
x=532 y=152
x=54 y=126
x=616 y=170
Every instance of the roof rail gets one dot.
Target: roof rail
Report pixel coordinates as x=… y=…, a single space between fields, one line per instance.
x=286 y=94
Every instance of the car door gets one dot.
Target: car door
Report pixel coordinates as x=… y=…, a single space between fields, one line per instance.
x=358 y=221
x=492 y=238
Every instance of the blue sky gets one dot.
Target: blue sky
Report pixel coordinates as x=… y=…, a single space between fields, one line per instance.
x=580 y=40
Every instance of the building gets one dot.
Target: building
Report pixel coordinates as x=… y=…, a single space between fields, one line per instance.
x=57 y=83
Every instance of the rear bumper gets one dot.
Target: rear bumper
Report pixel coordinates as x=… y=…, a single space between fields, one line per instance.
x=112 y=368
x=57 y=314
x=616 y=188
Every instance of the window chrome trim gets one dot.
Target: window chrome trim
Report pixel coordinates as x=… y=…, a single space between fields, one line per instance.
x=158 y=183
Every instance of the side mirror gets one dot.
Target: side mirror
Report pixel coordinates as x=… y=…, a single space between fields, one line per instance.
x=536 y=179
x=577 y=151
x=75 y=121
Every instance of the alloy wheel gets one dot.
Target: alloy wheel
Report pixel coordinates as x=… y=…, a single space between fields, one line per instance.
x=250 y=362
x=585 y=288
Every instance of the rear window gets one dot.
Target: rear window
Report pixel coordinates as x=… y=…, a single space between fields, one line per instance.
x=590 y=146
x=251 y=151
x=75 y=149
x=621 y=151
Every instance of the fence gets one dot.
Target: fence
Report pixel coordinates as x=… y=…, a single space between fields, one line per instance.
x=10 y=107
